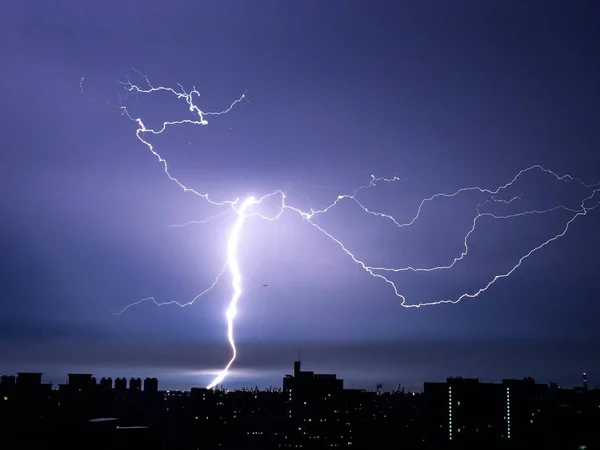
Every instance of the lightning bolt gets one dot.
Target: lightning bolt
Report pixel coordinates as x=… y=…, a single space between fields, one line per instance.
x=236 y=283
x=243 y=212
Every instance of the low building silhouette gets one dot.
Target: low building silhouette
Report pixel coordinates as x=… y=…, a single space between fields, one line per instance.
x=310 y=411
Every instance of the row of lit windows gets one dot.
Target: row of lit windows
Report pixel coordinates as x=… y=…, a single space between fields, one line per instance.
x=508 y=412
x=450 y=413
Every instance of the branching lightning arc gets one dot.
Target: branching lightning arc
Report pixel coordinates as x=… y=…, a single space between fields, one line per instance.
x=242 y=210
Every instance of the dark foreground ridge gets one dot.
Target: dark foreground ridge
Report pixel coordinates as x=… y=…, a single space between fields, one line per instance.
x=311 y=411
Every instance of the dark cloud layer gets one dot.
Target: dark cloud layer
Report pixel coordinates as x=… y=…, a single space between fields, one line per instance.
x=357 y=359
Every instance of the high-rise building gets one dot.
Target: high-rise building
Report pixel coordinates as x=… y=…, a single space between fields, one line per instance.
x=120 y=384
x=315 y=407
x=151 y=385
x=135 y=384
x=467 y=412
x=106 y=383
x=524 y=408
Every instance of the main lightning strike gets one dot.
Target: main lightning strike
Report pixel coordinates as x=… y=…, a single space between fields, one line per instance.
x=236 y=282
x=233 y=206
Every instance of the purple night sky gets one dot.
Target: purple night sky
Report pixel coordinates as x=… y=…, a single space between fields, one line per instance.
x=442 y=94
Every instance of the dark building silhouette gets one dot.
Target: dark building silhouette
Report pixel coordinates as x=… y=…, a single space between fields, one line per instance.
x=120 y=384
x=311 y=411
x=106 y=383
x=151 y=385
x=24 y=409
x=8 y=380
x=26 y=379
x=135 y=384
x=81 y=381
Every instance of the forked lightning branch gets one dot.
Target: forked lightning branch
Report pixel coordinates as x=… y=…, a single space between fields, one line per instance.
x=242 y=209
